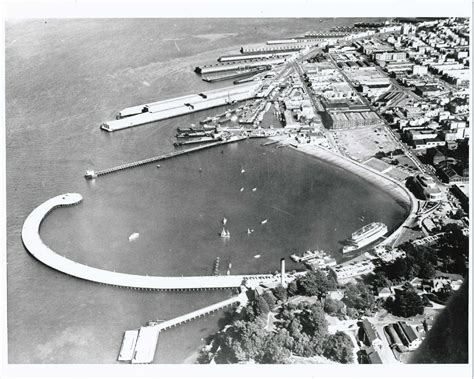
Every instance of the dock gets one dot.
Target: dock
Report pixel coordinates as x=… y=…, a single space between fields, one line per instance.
x=144 y=349
x=91 y=174
x=160 y=110
x=243 y=65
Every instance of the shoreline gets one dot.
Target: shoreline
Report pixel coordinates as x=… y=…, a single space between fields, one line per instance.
x=395 y=188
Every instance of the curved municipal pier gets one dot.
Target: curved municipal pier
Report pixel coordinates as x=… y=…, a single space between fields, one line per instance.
x=30 y=235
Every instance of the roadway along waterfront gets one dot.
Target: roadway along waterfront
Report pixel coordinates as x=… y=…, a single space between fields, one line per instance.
x=33 y=243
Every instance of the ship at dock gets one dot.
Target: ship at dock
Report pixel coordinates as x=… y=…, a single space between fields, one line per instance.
x=365 y=236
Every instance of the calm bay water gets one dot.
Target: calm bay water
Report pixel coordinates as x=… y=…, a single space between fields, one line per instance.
x=64 y=77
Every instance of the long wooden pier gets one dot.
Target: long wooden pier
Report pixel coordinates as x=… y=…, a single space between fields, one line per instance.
x=91 y=174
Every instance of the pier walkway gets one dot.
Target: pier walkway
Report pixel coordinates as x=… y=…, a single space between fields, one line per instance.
x=33 y=243
x=142 y=346
x=90 y=174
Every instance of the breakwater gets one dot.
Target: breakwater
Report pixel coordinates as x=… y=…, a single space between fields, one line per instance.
x=33 y=243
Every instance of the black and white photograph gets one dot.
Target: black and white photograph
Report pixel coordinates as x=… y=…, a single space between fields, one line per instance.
x=249 y=190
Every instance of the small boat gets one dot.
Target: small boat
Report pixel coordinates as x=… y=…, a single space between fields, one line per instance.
x=249 y=231
x=224 y=221
x=257 y=256
x=133 y=237
x=361 y=218
x=254 y=189
x=242 y=171
x=264 y=221
x=242 y=189
x=225 y=233
x=158 y=166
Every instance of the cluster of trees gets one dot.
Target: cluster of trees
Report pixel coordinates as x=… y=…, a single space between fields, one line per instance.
x=406 y=303
x=453 y=249
x=359 y=300
x=314 y=283
x=383 y=154
x=302 y=331
x=421 y=261
x=248 y=341
x=334 y=307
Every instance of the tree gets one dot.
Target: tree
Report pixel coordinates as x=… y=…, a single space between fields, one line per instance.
x=292 y=288
x=338 y=347
x=261 y=307
x=316 y=283
x=378 y=280
x=396 y=270
x=407 y=303
x=359 y=296
x=280 y=293
x=277 y=348
x=313 y=321
x=269 y=299
x=332 y=306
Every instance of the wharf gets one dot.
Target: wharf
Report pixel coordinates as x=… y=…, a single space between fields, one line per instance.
x=90 y=174
x=143 y=351
x=161 y=110
x=239 y=66
x=243 y=57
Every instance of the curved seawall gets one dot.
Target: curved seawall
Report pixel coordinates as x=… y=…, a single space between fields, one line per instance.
x=30 y=235
x=383 y=181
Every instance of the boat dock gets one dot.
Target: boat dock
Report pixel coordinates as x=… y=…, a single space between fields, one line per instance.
x=91 y=174
x=139 y=345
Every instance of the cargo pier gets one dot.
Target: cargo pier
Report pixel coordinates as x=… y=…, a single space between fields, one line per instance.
x=160 y=110
x=91 y=174
x=236 y=74
x=238 y=66
x=243 y=57
x=270 y=49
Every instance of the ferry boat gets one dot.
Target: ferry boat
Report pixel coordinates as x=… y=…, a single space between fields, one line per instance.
x=364 y=236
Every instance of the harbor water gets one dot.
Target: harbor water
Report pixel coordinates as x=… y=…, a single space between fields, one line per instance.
x=65 y=77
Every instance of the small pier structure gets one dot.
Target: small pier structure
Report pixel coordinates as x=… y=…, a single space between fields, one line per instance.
x=139 y=345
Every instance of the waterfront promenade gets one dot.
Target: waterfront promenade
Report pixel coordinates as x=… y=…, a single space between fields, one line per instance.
x=33 y=243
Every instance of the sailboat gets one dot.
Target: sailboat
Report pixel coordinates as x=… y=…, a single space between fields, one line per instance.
x=225 y=233
x=133 y=236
